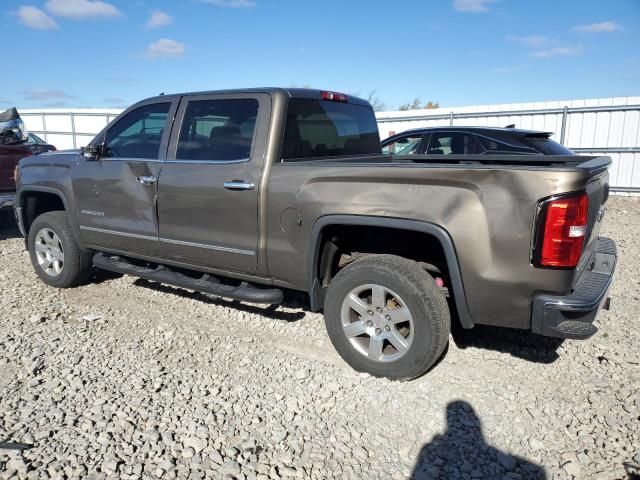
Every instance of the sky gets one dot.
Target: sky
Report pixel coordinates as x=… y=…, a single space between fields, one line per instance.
x=112 y=53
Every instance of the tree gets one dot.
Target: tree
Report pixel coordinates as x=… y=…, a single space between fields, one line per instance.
x=376 y=102
x=416 y=104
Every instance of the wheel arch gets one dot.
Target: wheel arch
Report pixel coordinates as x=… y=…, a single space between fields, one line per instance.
x=315 y=287
x=36 y=200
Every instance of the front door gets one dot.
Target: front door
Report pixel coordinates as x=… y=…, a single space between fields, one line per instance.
x=209 y=185
x=115 y=194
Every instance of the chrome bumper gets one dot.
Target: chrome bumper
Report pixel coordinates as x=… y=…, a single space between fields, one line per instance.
x=6 y=200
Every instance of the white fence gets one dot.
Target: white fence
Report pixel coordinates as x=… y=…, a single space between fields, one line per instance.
x=607 y=126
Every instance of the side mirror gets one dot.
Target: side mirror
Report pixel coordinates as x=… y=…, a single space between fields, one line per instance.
x=92 y=152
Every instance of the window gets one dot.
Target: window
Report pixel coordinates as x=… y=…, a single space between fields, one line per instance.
x=320 y=128
x=219 y=130
x=547 y=146
x=403 y=146
x=138 y=133
x=495 y=146
x=456 y=143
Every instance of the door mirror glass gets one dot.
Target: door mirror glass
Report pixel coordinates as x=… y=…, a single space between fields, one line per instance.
x=92 y=152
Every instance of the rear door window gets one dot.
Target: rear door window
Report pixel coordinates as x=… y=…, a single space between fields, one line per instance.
x=320 y=128
x=453 y=143
x=496 y=147
x=547 y=146
x=408 y=145
x=218 y=130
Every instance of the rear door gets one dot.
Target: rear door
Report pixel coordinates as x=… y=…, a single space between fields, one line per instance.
x=208 y=188
x=115 y=194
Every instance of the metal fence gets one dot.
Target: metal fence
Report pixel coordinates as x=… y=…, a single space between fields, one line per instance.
x=609 y=126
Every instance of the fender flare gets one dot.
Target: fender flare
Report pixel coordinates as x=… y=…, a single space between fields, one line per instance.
x=315 y=288
x=38 y=188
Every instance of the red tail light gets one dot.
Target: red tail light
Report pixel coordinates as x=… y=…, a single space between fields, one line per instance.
x=561 y=231
x=334 y=96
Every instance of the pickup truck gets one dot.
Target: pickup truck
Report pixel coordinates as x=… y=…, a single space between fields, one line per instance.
x=246 y=193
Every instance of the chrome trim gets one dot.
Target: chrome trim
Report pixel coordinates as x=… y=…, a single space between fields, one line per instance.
x=17 y=211
x=239 y=185
x=168 y=240
x=122 y=234
x=7 y=200
x=125 y=159
x=206 y=162
x=209 y=247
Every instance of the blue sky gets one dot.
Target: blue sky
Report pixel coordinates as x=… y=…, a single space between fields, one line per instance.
x=89 y=53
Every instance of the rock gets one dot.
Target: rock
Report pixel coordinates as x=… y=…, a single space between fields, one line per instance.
x=188 y=452
x=507 y=461
x=91 y=317
x=198 y=444
x=230 y=467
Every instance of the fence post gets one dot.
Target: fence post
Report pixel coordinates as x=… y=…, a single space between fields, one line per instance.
x=44 y=127
x=451 y=119
x=563 y=128
x=73 y=130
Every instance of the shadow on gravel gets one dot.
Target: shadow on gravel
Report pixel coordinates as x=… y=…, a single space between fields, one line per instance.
x=518 y=343
x=8 y=226
x=291 y=300
x=463 y=449
x=15 y=446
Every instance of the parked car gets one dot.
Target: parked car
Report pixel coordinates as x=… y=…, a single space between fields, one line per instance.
x=38 y=145
x=472 y=141
x=244 y=193
x=15 y=143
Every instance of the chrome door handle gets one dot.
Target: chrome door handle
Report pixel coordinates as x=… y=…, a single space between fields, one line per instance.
x=239 y=185
x=147 y=180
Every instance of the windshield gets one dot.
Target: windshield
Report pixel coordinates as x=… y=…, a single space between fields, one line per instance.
x=321 y=128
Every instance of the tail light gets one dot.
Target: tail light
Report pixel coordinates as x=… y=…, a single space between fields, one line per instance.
x=333 y=96
x=562 y=227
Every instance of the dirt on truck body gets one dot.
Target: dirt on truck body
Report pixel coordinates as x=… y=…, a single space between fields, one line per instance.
x=244 y=193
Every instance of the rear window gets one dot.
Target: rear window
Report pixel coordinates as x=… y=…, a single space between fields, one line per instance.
x=320 y=128
x=547 y=146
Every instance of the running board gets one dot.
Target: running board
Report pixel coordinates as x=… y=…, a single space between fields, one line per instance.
x=244 y=292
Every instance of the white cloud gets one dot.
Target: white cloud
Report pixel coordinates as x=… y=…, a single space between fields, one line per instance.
x=558 y=52
x=472 y=6
x=165 y=47
x=232 y=3
x=79 y=9
x=601 y=27
x=158 y=19
x=46 y=94
x=33 y=17
x=531 y=41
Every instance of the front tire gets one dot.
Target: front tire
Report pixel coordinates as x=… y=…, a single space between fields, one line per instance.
x=385 y=316
x=56 y=256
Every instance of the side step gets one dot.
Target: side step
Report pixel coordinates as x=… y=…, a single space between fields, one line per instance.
x=245 y=292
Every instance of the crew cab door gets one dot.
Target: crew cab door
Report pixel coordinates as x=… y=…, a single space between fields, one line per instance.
x=208 y=187
x=115 y=193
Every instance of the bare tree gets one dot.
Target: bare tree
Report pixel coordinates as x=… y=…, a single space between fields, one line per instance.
x=417 y=104
x=372 y=97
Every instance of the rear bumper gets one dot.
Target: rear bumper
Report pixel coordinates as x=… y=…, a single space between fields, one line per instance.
x=7 y=199
x=572 y=315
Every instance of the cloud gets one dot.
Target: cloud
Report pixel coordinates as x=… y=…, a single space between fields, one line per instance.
x=46 y=94
x=33 y=17
x=558 y=52
x=158 y=19
x=531 y=41
x=165 y=47
x=601 y=27
x=79 y=9
x=232 y=3
x=472 y=6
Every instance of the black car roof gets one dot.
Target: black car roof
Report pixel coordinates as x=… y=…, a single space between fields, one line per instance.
x=478 y=130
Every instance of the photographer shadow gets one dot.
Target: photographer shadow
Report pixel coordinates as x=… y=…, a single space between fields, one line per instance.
x=463 y=449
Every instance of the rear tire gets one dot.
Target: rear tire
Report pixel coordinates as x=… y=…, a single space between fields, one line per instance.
x=385 y=316
x=56 y=256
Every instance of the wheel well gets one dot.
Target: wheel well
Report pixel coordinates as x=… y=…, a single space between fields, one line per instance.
x=342 y=244
x=37 y=203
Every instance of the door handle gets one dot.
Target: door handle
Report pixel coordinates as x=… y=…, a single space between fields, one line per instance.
x=239 y=185
x=147 y=180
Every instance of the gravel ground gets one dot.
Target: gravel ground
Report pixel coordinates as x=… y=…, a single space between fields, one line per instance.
x=123 y=378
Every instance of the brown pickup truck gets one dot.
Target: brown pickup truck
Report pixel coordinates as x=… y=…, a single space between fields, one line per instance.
x=246 y=193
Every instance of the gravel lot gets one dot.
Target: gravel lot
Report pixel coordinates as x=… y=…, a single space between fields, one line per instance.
x=123 y=378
